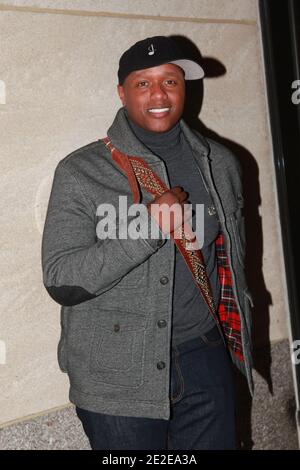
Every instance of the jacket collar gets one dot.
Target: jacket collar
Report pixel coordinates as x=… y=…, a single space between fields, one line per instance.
x=122 y=137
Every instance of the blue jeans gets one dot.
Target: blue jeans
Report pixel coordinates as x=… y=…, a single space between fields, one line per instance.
x=202 y=406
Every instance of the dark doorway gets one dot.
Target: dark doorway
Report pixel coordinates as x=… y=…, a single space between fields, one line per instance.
x=280 y=25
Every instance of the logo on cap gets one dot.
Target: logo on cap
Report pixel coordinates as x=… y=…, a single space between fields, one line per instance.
x=151 y=50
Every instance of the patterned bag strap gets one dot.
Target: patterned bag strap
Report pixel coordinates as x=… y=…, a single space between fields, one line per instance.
x=137 y=169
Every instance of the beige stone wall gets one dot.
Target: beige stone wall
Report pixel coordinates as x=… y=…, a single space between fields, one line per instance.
x=58 y=64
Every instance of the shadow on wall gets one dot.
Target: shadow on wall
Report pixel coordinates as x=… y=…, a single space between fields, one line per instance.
x=254 y=237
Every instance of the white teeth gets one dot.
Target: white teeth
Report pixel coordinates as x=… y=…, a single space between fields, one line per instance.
x=158 y=110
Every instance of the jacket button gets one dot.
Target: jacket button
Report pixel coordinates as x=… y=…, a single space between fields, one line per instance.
x=116 y=328
x=164 y=280
x=161 y=323
x=160 y=365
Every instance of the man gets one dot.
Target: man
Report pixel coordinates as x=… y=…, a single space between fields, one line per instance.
x=150 y=322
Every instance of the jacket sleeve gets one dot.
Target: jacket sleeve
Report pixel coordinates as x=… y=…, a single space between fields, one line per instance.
x=77 y=266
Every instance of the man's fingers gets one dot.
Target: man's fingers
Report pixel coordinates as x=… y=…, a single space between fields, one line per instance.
x=182 y=196
x=179 y=193
x=176 y=189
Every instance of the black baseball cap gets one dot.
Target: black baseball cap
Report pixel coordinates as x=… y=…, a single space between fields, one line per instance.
x=154 y=51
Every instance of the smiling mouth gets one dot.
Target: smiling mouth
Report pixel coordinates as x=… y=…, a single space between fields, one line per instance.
x=159 y=111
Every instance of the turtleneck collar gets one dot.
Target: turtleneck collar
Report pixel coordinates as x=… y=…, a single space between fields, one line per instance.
x=157 y=140
x=124 y=139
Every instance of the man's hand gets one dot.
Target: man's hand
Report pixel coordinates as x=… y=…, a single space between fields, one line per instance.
x=170 y=209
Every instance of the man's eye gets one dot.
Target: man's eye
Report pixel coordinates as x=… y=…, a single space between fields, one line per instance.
x=171 y=82
x=142 y=84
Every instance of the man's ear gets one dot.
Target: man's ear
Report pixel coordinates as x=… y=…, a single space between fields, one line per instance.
x=121 y=94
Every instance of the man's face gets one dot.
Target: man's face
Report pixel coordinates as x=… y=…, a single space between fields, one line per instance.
x=154 y=97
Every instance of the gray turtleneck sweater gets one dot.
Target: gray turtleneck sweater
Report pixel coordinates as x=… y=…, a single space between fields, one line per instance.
x=190 y=313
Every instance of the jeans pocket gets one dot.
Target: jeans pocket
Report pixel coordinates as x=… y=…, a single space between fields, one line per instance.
x=212 y=337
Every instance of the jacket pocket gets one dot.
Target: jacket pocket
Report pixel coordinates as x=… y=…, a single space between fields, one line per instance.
x=134 y=278
x=118 y=348
x=238 y=224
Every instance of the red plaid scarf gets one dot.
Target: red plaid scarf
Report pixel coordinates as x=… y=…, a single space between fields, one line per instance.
x=228 y=316
x=228 y=312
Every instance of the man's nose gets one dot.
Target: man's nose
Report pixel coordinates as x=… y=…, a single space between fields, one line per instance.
x=158 y=90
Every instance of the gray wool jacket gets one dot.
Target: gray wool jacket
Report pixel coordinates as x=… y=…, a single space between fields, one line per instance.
x=116 y=294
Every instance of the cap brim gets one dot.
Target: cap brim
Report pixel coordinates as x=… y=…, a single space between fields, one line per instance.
x=192 y=70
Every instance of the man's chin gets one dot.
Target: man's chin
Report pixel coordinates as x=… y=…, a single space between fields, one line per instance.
x=158 y=125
